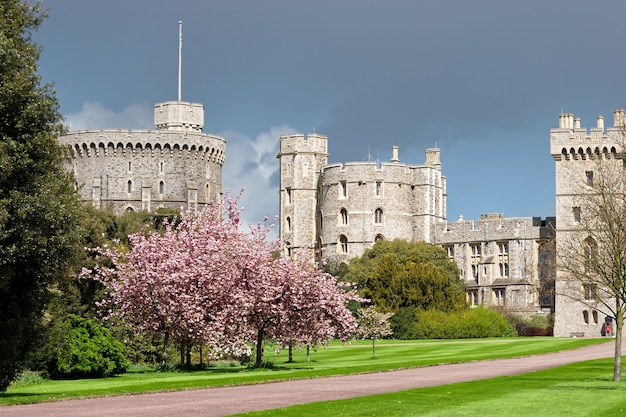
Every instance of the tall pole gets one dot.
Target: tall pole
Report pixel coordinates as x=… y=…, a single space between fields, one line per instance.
x=180 y=58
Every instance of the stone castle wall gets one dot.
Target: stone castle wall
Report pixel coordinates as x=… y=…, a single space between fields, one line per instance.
x=579 y=154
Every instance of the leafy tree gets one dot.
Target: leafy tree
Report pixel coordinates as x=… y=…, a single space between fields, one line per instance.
x=85 y=349
x=39 y=208
x=397 y=274
x=373 y=325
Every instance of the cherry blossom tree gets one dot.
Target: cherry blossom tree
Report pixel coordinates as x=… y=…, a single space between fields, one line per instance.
x=207 y=280
x=373 y=325
x=175 y=283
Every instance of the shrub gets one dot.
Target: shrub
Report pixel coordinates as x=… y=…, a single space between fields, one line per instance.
x=464 y=324
x=534 y=326
x=87 y=350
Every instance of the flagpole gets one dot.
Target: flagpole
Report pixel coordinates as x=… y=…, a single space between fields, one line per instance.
x=180 y=58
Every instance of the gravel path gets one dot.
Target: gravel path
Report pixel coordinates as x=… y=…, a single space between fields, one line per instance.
x=225 y=401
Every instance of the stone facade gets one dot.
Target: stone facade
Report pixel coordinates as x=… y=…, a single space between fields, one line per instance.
x=505 y=262
x=577 y=153
x=173 y=166
x=343 y=209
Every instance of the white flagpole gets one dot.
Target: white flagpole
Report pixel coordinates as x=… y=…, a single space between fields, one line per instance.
x=180 y=58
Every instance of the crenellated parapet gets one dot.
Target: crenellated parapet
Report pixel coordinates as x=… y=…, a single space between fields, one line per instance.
x=571 y=142
x=116 y=142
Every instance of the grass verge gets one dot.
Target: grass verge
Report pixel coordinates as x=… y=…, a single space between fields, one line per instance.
x=337 y=359
x=580 y=389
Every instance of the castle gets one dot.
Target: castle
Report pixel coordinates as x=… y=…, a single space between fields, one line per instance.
x=344 y=208
x=174 y=166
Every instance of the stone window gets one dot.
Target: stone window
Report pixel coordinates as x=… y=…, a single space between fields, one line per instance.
x=378 y=216
x=288 y=223
x=344 y=189
x=343 y=244
x=589 y=176
x=130 y=166
x=161 y=167
x=378 y=238
x=288 y=193
x=450 y=251
x=590 y=251
x=589 y=292
x=577 y=212
x=379 y=186
x=498 y=296
x=129 y=186
x=207 y=171
x=472 y=298
x=504 y=269
x=594 y=315
x=343 y=217
x=161 y=188
x=207 y=192
x=288 y=249
x=503 y=248
x=585 y=317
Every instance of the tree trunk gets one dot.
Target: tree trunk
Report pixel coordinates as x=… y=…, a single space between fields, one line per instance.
x=290 y=360
x=166 y=339
x=308 y=353
x=188 y=346
x=373 y=348
x=182 y=353
x=617 y=359
x=259 y=348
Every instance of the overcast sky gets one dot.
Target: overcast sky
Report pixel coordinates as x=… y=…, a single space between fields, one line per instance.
x=483 y=80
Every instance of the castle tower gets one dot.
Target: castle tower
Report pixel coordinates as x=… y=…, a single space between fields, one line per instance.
x=174 y=166
x=301 y=161
x=579 y=155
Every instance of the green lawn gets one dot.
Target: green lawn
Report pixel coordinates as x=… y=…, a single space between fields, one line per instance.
x=580 y=389
x=337 y=359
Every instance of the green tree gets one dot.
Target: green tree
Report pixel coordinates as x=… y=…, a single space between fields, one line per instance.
x=397 y=275
x=39 y=208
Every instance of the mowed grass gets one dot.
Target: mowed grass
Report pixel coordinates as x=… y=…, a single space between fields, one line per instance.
x=580 y=389
x=337 y=359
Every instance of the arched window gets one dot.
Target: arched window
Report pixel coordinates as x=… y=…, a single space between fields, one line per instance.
x=585 y=317
x=130 y=166
x=206 y=192
x=594 y=314
x=129 y=187
x=288 y=249
x=378 y=216
x=378 y=238
x=161 y=187
x=343 y=216
x=288 y=223
x=343 y=244
x=161 y=167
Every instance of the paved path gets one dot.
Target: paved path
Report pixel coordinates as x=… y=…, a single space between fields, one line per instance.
x=225 y=401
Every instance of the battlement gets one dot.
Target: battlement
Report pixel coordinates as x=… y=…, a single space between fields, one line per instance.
x=112 y=142
x=570 y=141
x=300 y=143
x=494 y=226
x=179 y=115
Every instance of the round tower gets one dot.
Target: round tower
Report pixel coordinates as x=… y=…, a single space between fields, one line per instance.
x=173 y=166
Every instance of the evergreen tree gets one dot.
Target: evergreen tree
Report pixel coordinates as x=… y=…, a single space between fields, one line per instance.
x=39 y=209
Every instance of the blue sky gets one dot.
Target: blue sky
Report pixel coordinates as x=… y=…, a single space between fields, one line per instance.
x=483 y=80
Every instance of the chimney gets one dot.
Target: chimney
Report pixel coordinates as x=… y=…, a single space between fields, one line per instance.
x=577 y=123
x=394 y=154
x=600 y=123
